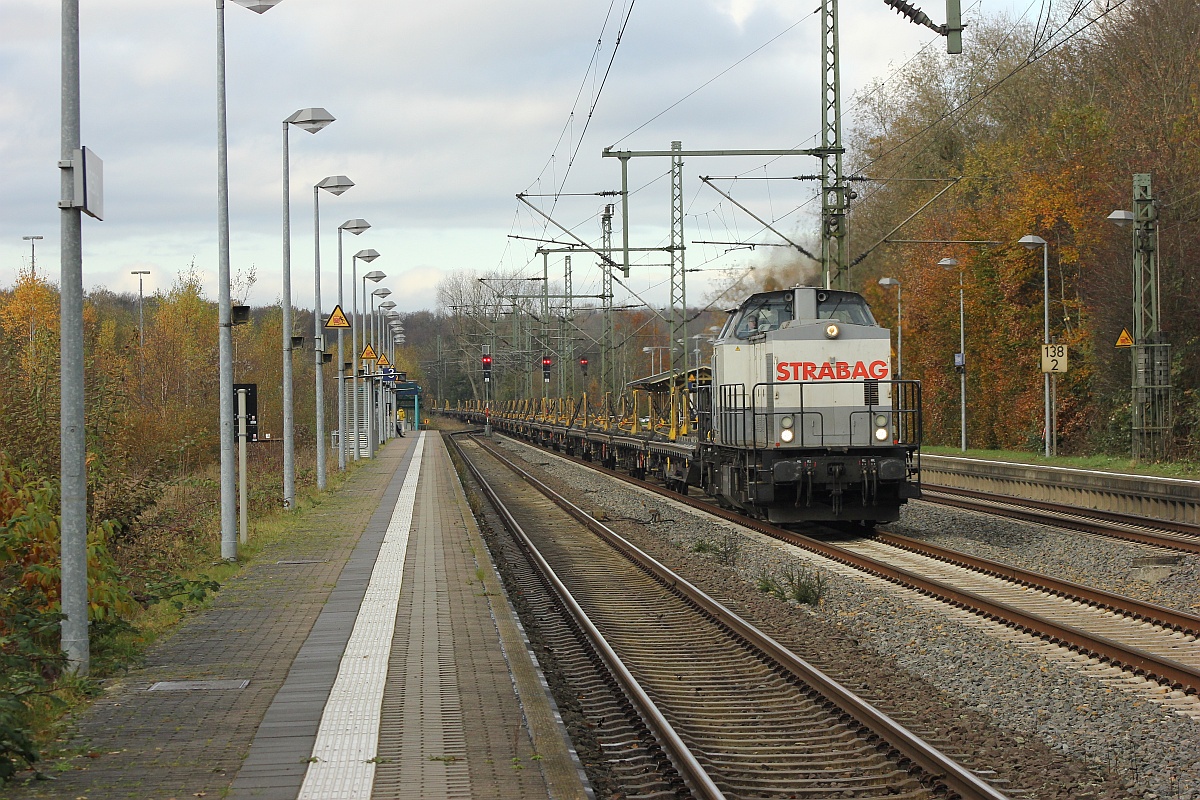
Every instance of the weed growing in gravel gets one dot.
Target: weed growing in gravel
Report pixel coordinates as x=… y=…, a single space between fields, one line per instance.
x=804 y=585
x=729 y=549
x=726 y=550
x=797 y=583
x=766 y=583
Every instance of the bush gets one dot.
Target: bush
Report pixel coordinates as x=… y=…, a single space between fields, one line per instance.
x=30 y=608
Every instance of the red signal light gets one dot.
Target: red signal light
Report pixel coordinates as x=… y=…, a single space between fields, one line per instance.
x=487 y=360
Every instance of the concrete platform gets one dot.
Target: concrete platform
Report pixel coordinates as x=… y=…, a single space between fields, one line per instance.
x=382 y=660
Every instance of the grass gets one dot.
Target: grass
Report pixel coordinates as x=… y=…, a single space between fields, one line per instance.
x=1174 y=469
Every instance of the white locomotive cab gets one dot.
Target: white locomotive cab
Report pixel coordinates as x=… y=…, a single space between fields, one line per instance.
x=812 y=359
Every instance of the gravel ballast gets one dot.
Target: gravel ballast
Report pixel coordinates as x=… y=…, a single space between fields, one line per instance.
x=1048 y=726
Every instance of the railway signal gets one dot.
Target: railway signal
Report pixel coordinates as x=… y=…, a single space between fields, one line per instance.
x=583 y=362
x=487 y=369
x=546 y=363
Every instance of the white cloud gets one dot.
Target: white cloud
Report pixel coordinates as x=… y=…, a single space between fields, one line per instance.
x=444 y=112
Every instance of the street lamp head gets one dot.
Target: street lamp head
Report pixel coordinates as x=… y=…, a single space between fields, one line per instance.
x=139 y=272
x=1031 y=242
x=258 y=6
x=381 y=292
x=30 y=238
x=386 y=303
x=948 y=263
x=310 y=119
x=368 y=255
x=888 y=283
x=1121 y=218
x=374 y=275
x=355 y=226
x=335 y=184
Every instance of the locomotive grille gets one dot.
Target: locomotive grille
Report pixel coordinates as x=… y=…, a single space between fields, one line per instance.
x=871 y=393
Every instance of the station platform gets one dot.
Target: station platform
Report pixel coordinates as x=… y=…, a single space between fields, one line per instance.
x=371 y=655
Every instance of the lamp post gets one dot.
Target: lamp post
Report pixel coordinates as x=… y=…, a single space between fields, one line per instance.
x=311 y=120
x=888 y=283
x=654 y=351
x=33 y=240
x=1030 y=242
x=335 y=185
x=355 y=226
x=960 y=359
x=141 y=332
x=375 y=276
x=367 y=255
x=377 y=387
x=386 y=344
x=141 y=317
x=224 y=305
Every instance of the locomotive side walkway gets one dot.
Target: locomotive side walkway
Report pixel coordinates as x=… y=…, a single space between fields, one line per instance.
x=304 y=723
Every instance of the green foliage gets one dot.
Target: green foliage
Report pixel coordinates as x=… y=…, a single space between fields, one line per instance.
x=179 y=591
x=727 y=549
x=30 y=603
x=795 y=582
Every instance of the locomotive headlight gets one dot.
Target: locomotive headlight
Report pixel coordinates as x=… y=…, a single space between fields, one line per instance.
x=787 y=435
x=832 y=331
x=881 y=420
x=881 y=434
x=786 y=421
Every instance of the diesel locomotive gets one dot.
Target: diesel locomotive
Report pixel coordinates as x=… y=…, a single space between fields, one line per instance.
x=798 y=419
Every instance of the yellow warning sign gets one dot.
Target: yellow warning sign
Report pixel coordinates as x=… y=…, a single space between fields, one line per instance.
x=1124 y=340
x=337 y=319
x=383 y=362
x=368 y=354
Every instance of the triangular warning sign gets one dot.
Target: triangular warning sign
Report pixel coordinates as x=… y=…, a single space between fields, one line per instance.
x=383 y=362
x=368 y=354
x=337 y=319
x=1124 y=340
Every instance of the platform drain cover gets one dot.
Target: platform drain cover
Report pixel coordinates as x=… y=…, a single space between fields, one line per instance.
x=189 y=686
x=300 y=561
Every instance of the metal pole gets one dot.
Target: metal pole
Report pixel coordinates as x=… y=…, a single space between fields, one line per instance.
x=71 y=423
x=243 y=536
x=341 y=369
x=900 y=334
x=355 y=422
x=289 y=440
x=1046 y=334
x=369 y=395
x=318 y=340
x=224 y=313
x=962 y=376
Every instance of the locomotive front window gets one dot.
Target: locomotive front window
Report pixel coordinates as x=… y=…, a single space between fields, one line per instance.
x=845 y=307
x=762 y=313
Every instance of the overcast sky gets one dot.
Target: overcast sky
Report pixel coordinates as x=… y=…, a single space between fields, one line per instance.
x=445 y=111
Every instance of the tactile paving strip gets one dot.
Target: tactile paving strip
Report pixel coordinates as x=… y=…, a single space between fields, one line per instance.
x=343 y=765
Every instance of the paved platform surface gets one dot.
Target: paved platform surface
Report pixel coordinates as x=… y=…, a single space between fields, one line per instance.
x=463 y=713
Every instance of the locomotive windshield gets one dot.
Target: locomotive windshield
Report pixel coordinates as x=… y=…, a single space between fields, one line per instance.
x=845 y=307
x=762 y=313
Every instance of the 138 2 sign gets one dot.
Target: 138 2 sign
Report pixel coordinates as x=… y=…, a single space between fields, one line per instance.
x=1054 y=358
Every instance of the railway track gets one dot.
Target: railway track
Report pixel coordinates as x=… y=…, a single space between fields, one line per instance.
x=1159 y=533
x=1166 y=652
x=736 y=714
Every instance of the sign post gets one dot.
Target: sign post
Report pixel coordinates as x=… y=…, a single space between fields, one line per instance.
x=1054 y=363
